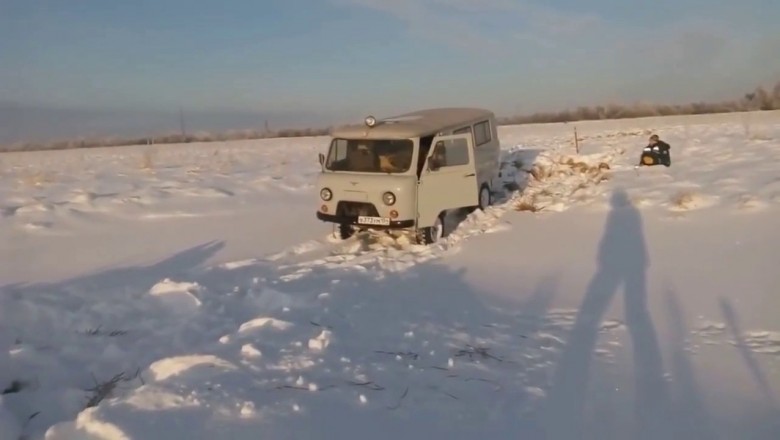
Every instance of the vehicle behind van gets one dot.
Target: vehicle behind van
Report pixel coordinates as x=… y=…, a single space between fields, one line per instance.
x=406 y=172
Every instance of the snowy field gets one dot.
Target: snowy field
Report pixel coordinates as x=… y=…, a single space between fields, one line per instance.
x=188 y=291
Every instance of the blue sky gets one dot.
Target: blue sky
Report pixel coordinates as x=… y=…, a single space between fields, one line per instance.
x=329 y=60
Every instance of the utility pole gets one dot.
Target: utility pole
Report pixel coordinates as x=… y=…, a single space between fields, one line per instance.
x=181 y=125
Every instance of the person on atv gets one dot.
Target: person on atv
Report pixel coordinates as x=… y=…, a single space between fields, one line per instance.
x=656 y=153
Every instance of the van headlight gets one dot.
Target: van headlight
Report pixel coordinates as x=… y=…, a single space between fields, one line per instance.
x=388 y=198
x=326 y=194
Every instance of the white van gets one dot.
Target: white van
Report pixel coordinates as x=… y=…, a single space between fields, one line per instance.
x=407 y=171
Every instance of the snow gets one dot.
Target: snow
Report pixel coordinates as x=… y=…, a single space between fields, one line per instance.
x=188 y=291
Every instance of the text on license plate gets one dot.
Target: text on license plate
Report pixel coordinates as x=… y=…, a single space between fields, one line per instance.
x=373 y=221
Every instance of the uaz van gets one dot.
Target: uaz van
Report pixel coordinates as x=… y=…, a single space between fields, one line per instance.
x=406 y=172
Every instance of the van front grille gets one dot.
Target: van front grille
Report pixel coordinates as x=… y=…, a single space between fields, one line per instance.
x=354 y=209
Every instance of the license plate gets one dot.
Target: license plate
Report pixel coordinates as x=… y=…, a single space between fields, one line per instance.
x=374 y=221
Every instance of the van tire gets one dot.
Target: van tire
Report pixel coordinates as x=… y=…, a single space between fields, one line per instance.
x=346 y=231
x=432 y=234
x=485 y=197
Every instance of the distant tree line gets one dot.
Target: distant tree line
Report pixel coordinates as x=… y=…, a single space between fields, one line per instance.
x=759 y=99
x=172 y=138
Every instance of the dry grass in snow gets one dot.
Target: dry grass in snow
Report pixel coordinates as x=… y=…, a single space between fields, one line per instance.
x=556 y=178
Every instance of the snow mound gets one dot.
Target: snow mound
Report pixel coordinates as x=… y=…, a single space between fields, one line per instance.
x=233 y=265
x=271 y=300
x=320 y=342
x=764 y=342
x=250 y=351
x=87 y=426
x=264 y=322
x=299 y=249
x=750 y=203
x=179 y=296
x=690 y=199
x=176 y=366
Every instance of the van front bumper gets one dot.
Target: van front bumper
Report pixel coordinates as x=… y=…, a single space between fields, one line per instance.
x=353 y=220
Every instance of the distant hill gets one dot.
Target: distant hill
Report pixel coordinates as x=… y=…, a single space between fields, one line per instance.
x=24 y=128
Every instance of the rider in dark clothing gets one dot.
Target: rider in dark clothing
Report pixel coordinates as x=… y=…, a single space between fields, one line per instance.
x=656 y=141
x=659 y=149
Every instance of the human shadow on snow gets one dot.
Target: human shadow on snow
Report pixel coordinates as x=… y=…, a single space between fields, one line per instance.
x=622 y=262
x=746 y=353
x=692 y=420
x=137 y=277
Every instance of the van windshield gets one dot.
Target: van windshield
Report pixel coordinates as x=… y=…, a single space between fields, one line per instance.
x=370 y=155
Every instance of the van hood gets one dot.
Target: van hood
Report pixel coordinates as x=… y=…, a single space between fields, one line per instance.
x=368 y=188
x=369 y=183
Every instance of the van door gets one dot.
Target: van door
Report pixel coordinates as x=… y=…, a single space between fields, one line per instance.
x=448 y=179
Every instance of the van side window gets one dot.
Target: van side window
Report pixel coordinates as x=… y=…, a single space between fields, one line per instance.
x=451 y=153
x=464 y=130
x=338 y=151
x=482 y=133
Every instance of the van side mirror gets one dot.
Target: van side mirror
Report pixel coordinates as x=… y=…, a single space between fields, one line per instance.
x=322 y=159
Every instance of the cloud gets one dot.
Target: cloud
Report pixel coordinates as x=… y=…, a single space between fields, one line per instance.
x=681 y=45
x=483 y=26
x=693 y=59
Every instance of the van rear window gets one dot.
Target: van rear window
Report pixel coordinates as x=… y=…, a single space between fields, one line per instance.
x=482 y=133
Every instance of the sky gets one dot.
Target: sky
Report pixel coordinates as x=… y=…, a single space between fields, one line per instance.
x=319 y=62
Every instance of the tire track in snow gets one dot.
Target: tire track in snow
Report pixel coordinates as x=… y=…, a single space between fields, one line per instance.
x=380 y=252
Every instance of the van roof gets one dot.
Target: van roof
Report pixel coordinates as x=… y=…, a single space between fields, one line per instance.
x=414 y=124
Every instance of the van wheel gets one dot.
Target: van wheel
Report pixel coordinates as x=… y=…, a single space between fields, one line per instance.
x=485 y=198
x=432 y=234
x=346 y=231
